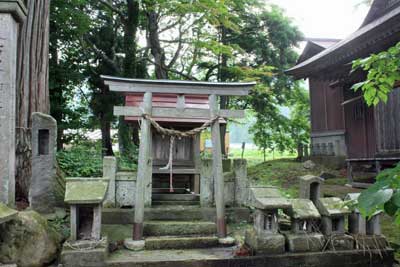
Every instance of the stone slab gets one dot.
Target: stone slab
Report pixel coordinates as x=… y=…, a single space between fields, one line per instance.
x=8 y=68
x=16 y=8
x=85 y=253
x=305 y=242
x=42 y=188
x=179 y=228
x=332 y=206
x=217 y=257
x=85 y=190
x=340 y=242
x=156 y=243
x=175 y=213
x=6 y=214
x=265 y=243
x=304 y=209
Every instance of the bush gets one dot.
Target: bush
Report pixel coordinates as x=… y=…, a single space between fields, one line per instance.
x=81 y=160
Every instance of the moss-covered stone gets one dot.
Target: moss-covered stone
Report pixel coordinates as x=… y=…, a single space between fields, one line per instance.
x=332 y=206
x=6 y=214
x=28 y=241
x=304 y=209
x=85 y=190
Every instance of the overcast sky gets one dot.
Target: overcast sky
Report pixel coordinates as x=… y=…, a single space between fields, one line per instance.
x=324 y=18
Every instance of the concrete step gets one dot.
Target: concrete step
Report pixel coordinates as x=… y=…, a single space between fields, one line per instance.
x=174 y=213
x=179 y=228
x=175 y=202
x=177 y=197
x=174 y=242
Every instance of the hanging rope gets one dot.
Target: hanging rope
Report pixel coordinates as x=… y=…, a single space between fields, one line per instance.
x=173 y=134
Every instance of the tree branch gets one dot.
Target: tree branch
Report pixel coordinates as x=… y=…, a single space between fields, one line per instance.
x=189 y=77
x=113 y=9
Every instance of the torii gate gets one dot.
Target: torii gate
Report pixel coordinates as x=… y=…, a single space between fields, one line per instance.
x=180 y=88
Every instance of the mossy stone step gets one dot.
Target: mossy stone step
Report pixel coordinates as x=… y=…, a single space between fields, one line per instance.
x=179 y=228
x=175 y=202
x=174 y=242
x=175 y=197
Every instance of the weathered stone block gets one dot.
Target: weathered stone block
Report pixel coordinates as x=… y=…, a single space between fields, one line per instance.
x=305 y=242
x=206 y=184
x=109 y=172
x=85 y=254
x=265 y=243
x=242 y=183
x=341 y=242
x=370 y=242
x=8 y=65
x=44 y=146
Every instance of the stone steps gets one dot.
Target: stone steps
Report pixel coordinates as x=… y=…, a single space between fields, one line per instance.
x=173 y=213
x=176 y=202
x=179 y=228
x=177 y=197
x=179 y=242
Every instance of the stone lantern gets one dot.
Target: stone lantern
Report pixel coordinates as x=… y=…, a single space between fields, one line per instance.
x=334 y=212
x=265 y=238
x=305 y=220
x=367 y=233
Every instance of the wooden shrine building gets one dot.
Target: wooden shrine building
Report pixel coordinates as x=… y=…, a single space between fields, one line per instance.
x=344 y=128
x=171 y=116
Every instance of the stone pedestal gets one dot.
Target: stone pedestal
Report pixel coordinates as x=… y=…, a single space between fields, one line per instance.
x=340 y=242
x=363 y=242
x=85 y=253
x=265 y=243
x=310 y=242
x=11 y=14
x=44 y=147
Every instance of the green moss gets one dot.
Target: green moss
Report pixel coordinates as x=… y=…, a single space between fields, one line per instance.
x=85 y=191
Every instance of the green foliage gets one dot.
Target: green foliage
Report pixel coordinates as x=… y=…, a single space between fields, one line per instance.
x=81 y=160
x=384 y=195
x=383 y=72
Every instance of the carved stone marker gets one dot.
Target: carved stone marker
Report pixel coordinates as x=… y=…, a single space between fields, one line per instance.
x=11 y=13
x=44 y=141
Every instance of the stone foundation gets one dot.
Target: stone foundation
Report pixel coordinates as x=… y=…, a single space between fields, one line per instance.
x=305 y=242
x=265 y=243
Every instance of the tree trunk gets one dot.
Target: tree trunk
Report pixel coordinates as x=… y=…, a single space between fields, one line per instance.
x=126 y=134
x=223 y=77
x=155 y=46
x=106 y=139
x=32 y=82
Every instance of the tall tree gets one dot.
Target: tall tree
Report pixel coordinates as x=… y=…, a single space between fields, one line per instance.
x=33 y=87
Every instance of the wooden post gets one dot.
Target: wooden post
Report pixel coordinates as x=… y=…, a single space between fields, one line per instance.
x=217 y=168
x=144 y=168
x=350 y=173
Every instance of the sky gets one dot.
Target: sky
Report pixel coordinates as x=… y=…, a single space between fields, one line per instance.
x=324 y=18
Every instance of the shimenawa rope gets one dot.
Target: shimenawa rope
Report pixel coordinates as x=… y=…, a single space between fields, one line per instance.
x=173 y=135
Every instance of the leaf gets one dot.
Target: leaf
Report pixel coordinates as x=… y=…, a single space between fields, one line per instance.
x=372 y=200
x=390 y=208
x=396 y=199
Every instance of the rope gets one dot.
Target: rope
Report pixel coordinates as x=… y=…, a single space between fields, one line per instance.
x=173 y=134
x=176 y=133
x=81 y=247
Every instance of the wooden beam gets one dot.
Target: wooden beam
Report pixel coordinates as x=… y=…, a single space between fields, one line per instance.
x=176 y=87
x=187 y=113
x=144 y=169
x=217 y=168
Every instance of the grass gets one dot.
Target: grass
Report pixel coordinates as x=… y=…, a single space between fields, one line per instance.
x=255 y=156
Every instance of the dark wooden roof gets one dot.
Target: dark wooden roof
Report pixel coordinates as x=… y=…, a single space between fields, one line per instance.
x=376 y=36
x=380 y=8
x=315 y=46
